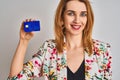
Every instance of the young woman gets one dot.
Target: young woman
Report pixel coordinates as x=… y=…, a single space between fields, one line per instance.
x=72 y=55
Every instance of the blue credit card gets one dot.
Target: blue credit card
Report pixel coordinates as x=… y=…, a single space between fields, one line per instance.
x=32 y=26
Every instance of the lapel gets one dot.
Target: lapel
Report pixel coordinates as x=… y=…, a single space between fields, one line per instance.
x=62 y=66
x=88 y=65
x=91 y=66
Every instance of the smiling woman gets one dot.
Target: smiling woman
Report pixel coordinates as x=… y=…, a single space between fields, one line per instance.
x=75 y=18
x=72 y=55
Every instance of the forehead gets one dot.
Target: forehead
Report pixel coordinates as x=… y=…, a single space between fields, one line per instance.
x=75 y=5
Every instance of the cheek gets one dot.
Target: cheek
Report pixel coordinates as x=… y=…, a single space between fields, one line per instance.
x=68 y=20
x=84 y=22
x=85 y=19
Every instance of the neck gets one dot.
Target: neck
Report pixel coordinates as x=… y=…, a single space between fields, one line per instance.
x=73 y=42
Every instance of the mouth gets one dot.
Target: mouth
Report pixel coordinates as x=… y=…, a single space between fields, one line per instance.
x=76 y=27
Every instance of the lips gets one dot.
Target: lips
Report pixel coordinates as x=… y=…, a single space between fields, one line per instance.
x=75 y=27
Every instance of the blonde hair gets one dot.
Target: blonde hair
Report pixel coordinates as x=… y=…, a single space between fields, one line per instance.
x=87 y=32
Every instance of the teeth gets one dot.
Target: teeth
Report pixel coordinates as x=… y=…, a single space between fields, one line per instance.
x=76 y=27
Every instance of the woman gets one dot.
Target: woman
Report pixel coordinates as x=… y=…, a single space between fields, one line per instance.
x=73 y=55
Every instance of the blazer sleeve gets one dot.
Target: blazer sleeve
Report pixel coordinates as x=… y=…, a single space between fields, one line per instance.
x=107 y=63
x=33 y=67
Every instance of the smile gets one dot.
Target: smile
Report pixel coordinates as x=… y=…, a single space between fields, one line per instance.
x=75 y=27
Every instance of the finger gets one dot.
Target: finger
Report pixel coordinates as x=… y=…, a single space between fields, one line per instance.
x=32 y=19
x=27 y=20
x=22 y=25
x=32 y=33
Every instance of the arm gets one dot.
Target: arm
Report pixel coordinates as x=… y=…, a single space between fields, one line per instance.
x=18 y=58
x=33 y=67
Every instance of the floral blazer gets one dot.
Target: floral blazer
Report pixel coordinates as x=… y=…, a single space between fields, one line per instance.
x=46 y=62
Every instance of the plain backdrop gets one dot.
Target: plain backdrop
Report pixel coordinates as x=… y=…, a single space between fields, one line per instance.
x=13 y=12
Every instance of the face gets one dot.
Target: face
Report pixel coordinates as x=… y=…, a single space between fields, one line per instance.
x=75 y=17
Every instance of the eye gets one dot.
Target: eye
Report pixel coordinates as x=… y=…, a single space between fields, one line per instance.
x=71 y=13
x=83 y=14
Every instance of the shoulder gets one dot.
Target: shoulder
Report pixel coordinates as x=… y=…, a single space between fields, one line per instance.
x=98 y=43
x=46 y=47
x=100 y=46
x=48 y=44
x=50 y=41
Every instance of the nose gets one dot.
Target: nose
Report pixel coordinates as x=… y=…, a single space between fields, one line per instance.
x=77 y=19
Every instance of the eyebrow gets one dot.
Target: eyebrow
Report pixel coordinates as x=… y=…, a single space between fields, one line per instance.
x=75 y=11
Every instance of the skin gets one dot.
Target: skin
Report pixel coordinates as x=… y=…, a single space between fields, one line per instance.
x=75 y=20
x=18 y=58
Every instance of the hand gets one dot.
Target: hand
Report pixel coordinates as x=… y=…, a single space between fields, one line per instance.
x=25 y=35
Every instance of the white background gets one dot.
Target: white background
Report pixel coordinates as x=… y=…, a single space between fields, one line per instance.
x=13 y=12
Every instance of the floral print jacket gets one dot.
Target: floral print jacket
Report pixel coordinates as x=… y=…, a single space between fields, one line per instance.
x=46 y=62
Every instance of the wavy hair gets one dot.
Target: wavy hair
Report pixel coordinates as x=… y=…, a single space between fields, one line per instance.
x=87 y=32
